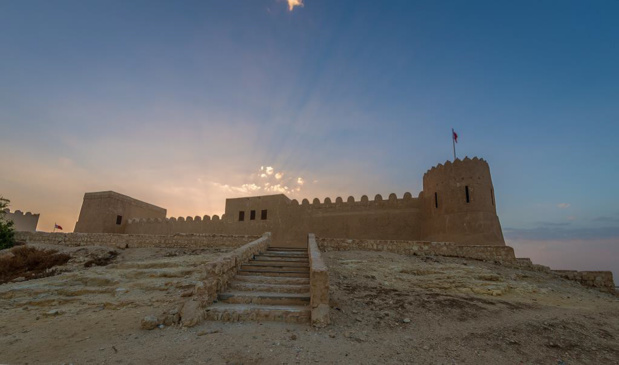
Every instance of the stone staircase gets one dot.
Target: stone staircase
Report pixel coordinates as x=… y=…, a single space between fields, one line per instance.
x=273 y=286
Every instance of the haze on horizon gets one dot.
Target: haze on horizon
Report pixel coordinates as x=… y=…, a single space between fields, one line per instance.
x=186 y=104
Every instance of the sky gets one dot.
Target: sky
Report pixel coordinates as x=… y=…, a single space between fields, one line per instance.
x=186 y=103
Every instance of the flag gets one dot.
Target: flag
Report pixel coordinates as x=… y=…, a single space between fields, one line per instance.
x=455 y=135
x=57 y=227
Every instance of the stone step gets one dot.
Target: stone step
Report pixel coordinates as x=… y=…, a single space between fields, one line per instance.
x=278 y=263
x=279 y=280
x=281 y=258
x=249 y=312
x=251 y=266
x=285 y=254
x=265 y=298
x=268 y=287
x=291 y=274
x=287 y=249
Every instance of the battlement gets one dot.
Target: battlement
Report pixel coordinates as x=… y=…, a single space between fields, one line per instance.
x=188 y=219
x=350 y=202
x=20 y=213
x=449 y=166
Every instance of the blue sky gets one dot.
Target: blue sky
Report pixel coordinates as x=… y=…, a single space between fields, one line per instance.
x=181 y=104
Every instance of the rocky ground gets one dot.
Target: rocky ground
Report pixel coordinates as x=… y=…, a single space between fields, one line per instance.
x=386 y=308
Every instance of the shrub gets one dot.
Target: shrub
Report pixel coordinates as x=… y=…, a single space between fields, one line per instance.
x=7 y=233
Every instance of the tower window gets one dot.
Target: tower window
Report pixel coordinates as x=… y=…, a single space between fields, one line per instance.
x=119 y=219
x=263 y=215
x=241 y=216
x=252 y=215
x=492 y=196
x=468 y=199
x=436 y=200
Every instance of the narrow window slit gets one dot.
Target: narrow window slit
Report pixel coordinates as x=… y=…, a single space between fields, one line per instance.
x=468 y=199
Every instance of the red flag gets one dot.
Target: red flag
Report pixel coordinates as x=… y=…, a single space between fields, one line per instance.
x=455 y=135
x=57 y=227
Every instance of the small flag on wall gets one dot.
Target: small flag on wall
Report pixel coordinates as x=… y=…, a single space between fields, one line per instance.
x=455 y=135
x=57 y=227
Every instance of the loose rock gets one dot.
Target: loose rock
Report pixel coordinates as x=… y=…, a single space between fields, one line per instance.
x=149 y=322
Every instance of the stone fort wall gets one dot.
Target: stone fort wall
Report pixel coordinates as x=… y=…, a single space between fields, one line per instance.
x=194 y=241
x=22 y=222
x=291 y=221
x=420 y=248
x=601 y=280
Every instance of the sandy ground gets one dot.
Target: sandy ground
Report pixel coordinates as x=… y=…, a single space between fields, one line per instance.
x=386 y=308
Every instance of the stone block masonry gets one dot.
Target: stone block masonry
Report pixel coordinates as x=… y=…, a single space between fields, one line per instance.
x=319 y=284
x=602 y=280
x=488 y=253
x=135 y=240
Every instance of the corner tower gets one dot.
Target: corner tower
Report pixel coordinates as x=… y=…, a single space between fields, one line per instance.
x=458 y=204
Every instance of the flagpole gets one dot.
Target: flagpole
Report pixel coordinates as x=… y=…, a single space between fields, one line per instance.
x=453 y=142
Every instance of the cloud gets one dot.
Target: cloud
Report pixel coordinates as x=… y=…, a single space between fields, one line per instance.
x=606 y=219
x=560 y=232
x=293 y=3
x=267 y=180
x=563 y=205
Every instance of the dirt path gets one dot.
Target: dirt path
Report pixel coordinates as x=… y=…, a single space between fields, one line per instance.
x=386 y=308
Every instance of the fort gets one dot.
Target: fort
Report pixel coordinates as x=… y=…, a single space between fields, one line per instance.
x=456 y=205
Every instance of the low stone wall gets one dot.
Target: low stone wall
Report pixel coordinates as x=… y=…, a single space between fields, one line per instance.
x=134 y=240
x=319 y=284
x=602 y=280
x=490 y=253
x=218 y=274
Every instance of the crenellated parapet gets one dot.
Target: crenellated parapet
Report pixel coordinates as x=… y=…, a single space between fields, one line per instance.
x=364 y=202
x=20 y=213
x=189 y=219
x=173 y=225
x=466 y=164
